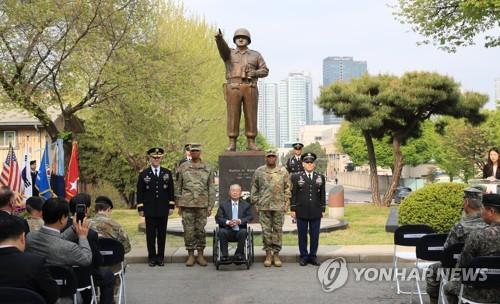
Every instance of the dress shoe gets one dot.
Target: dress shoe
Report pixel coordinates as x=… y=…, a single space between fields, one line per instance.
x=160 y=263
x=314 y=262
x=152 y=263
x=224 y=258
x=303 y=262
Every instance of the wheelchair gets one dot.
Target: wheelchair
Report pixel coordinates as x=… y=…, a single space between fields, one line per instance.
x=249 y=257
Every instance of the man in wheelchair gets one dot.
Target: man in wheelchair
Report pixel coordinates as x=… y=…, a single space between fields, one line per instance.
x=232 y=218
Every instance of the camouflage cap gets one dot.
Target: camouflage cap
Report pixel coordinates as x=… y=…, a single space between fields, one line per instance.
x=156 y=152
x=491 y=199
x=308 y=157
x=271 y=152
x=194 y=147
x=473 y=192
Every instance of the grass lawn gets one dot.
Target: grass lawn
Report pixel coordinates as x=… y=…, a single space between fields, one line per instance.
x=366 y=227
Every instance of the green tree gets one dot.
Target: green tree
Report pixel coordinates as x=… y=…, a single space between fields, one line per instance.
x=452 y=23
x=397 y=107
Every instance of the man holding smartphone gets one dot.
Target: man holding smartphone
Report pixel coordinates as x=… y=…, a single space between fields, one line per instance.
x=155 y=201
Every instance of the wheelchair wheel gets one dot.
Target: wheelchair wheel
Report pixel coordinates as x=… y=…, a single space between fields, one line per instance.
x=252 y=257
x=215 y=248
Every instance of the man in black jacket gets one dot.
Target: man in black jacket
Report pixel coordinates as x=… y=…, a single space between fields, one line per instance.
x=155 y=201
x=19 y=269
x=8 y=205
x=232 y=217
x=307 y=206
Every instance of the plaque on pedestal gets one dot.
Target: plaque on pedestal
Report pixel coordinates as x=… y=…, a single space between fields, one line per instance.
x=238 y=168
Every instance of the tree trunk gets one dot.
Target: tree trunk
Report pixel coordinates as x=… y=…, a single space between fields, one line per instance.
x=373 y=169
x=396 y=172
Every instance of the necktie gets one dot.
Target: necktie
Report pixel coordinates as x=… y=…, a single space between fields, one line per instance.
x=309 y=175
x=156 y=172
x=235 y=216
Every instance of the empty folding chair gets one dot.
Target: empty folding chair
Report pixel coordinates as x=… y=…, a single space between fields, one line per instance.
x=20 y=296
x=113 y=254
x=481 y=273
x=408 y=236
x=449 y=261
x=65 y=278
x=429 y=250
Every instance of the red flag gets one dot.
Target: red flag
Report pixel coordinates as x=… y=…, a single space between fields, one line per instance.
x=11 y=176
x=73 y=173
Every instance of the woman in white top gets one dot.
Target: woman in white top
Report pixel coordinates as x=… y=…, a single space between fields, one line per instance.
x=491 y=169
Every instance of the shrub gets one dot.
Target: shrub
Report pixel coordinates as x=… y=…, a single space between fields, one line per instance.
x=437 y=205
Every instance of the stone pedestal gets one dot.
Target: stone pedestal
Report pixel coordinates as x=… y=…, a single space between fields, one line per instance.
x=238 y=168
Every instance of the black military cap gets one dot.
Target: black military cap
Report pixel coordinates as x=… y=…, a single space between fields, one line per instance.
x=297 y=146
x=308 y=157
x=491 y=199
x=104 y=200
x=473 y=192
x=35 y=202
x=156 y=152
x=195 y=147
x=187 y=147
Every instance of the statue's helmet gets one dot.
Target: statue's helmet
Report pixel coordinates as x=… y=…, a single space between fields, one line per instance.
x=242 y=32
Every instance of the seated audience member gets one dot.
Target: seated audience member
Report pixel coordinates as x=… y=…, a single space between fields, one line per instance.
x=49 y=242
x=105 y=226
x=103 y=277
x=232 y=217
x=471 y=221
x=491 y=169
x=34 y=208
x=19 y=269
x=8 y=205
x=483 y=242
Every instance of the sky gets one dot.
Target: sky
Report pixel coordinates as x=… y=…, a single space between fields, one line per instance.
x=295 y=35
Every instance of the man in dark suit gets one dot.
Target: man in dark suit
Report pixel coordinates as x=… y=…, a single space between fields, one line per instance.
x=155 y=201
x=307 y=206
x=34 y=173
x=232 y=217
x=185 y=158
x=19 y=269
x=294 y=163
x=8 y=205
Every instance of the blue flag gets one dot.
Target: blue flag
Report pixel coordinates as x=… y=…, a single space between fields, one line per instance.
x=42 y=179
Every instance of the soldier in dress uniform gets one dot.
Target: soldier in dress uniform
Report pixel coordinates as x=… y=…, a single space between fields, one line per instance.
x=294 y=163
x=155 y=201
x=307 y=206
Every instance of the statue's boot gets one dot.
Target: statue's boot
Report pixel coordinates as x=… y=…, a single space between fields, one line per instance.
x=251 y=146
x=232 y=145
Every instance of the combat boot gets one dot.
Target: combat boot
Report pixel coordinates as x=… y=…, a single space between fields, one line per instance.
x=277 y=260
x=190 y=260
x=268 y=261
x=201 y=259
x=232 y=145
x=251 y=146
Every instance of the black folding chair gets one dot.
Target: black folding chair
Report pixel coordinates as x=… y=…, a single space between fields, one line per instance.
x=20 y=296
x=408 y=236
x=85 y=281
x=66 y=279
x=449 y=261
x=429 y=250
x=113 y=254
x=481 y=273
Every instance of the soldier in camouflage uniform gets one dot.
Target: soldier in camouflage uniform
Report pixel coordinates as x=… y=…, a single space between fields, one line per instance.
x=271 y=194
x=34 y=208
x=484 y=242
x=195 y=197
x=471 y=221
x=105 y=226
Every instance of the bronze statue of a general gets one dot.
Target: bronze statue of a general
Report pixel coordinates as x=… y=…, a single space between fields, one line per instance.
x=243 y=68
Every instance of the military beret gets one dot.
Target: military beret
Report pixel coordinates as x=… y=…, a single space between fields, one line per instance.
x=491 y=199
x=308 y=157
x=35 y=202
x=195 y=147
x=297 y=146
x=104 y=200
x=271 y=152
x=473 y=192
x=156 y=152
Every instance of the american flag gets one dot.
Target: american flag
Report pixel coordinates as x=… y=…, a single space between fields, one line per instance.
x=11 y=177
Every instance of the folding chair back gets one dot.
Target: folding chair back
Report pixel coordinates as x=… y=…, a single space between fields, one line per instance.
x=65 y=278
x=408 y=235
x=430 y=247
x=482 y=272
x=20 y=296
x=451 y=255
x=112 y=251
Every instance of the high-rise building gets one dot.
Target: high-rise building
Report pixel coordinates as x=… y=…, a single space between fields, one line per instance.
x=497 y=92
x=295 y=106
x=267 y=114
x=340 y=69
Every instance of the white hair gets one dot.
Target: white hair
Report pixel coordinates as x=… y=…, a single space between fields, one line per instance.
x=234 y=185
